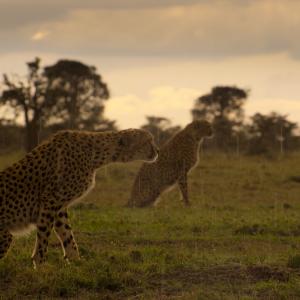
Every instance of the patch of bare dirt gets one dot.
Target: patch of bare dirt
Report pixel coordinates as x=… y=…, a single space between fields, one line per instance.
x=219 y=274
x=264 y=273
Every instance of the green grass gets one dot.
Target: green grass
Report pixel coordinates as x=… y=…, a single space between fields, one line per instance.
x=239 y=240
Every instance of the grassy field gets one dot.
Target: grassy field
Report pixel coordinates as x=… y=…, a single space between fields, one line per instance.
x=239 y=240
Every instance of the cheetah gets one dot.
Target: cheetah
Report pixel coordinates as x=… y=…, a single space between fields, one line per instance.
x=176 y=158
x=36 y=191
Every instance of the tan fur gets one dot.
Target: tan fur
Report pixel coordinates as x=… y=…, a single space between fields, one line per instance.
x=36 y=191
x=176 y=158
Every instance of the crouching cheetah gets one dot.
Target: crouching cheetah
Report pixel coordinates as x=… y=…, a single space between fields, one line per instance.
x=38 y=189
x=176 y=158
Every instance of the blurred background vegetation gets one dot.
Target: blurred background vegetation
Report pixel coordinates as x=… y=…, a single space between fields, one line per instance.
x=72 y=95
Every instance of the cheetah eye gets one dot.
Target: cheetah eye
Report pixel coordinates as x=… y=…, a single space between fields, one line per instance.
x=121 y=142
x=125 y=141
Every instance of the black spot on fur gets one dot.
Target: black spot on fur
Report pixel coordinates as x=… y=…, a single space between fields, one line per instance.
x=58 y=223
x=42 y=228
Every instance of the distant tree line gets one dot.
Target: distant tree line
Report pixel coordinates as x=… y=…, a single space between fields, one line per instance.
x=66 y=95
x=262 y=134
x=224 y=108
x=72 y=95
x=161 y=128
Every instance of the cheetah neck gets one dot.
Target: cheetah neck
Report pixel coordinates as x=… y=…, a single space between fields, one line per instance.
x=105 y=144
x=197 y=140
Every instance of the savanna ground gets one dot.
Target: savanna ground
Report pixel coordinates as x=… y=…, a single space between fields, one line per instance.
x=240 y=239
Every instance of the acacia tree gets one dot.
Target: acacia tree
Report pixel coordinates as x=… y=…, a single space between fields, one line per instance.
x=271 y=133
x=27 y=98
x=69 y=94
x=223 y=106
x=161 y=128
x=79 y=94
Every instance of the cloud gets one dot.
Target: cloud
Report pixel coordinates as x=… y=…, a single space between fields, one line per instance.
x=40 y=35
x=288 y=107
x=167 y=87
x=15 y=13
x=183 y=29
x=163 y=101
x=267 y=76
x=176 y=103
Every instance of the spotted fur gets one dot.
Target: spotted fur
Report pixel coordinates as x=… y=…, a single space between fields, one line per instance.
x=37 y=190
x=176 y=158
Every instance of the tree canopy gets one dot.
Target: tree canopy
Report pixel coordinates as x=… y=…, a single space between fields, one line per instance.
x=223 y=106
x=161 y=128
x=68 y=94
x=269 y=133
x=79 y=94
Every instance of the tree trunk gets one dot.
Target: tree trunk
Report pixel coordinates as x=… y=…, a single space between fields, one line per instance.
x=32 y=128
x=32 y=135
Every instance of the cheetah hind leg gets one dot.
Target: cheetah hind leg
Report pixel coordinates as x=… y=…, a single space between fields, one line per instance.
x=142 y=198
x=64 y=233
x=183 y=186
x=150 y=199
x=5 y=242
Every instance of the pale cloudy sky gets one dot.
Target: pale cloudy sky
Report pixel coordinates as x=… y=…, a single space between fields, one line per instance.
x=157 y=56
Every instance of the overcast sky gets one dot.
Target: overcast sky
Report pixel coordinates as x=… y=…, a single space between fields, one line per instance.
x=158 y=56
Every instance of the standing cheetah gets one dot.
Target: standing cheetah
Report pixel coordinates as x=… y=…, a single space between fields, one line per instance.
x=176 y=159
x=36 y=191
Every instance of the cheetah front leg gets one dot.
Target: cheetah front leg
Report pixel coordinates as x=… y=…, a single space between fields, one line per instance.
x=64 y=233
x=183 y=186
x=44 y=226
x=5 y=241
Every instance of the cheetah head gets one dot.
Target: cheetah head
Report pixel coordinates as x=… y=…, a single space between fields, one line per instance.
x=201 y=129
x=135 y=144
